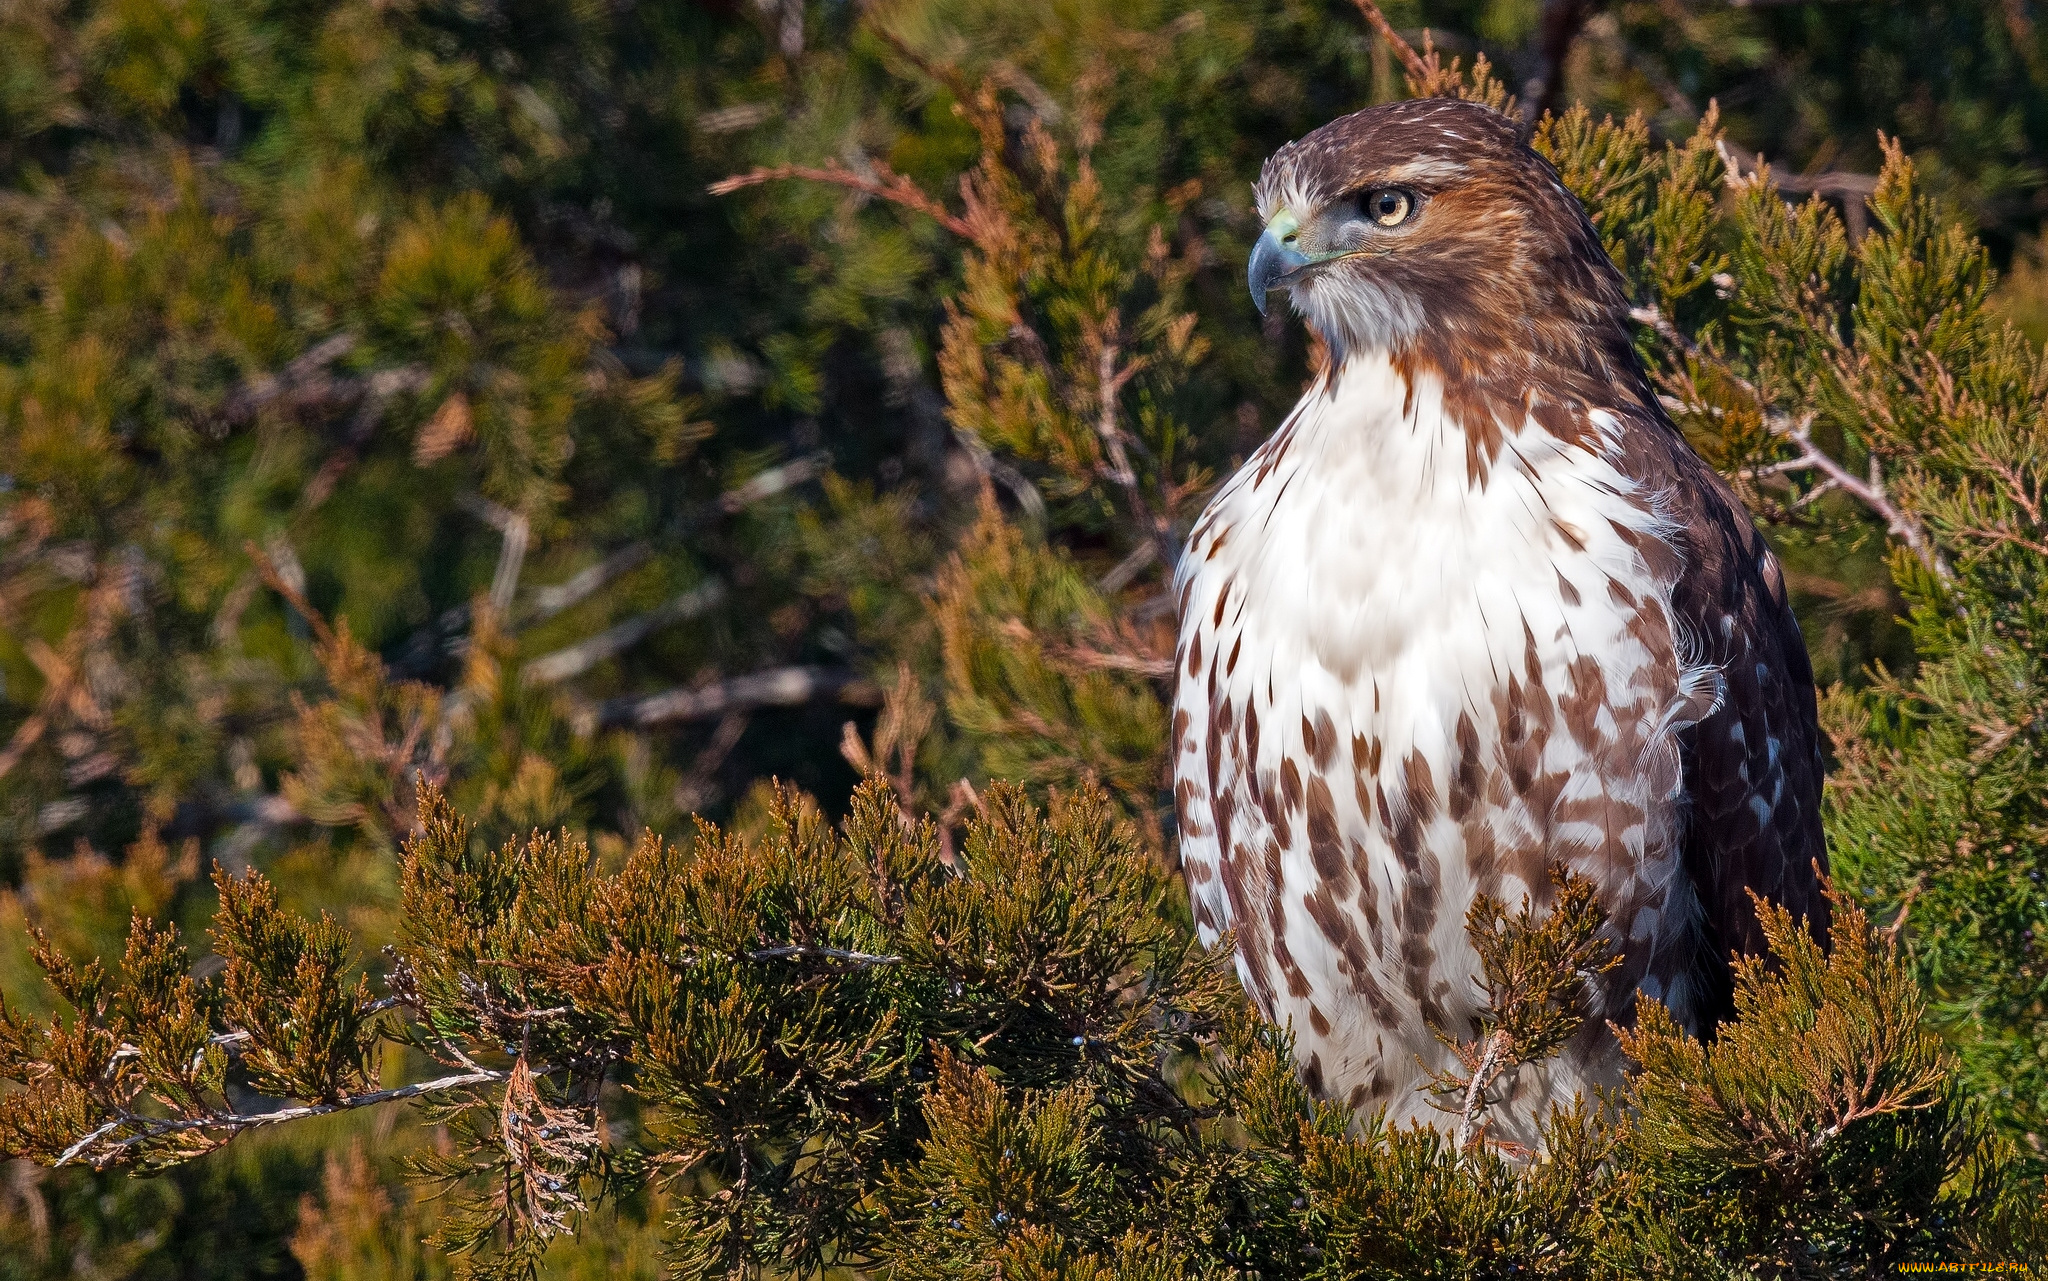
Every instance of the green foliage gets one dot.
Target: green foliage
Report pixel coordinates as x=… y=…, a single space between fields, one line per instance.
x=839 y=1053
x=385 y=397
x=1537 y=976
x=1821 y=1121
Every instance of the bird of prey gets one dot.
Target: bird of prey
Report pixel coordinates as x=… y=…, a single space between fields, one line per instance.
x=1475 y=606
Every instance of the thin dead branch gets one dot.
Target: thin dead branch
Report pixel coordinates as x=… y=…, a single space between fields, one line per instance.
x=778 y=687
x=886 y=185
x=773 y=481
x=556 y=598
x=228 y=1124
x=303 y=378
x=579 y=658
x=1110 y=382
x=1411 y=61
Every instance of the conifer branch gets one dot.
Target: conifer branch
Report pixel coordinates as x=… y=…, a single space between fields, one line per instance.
x=229 y=1124
x=574 y=660
x=777 y=687
x=1411 y=61
x=1798 y=433
x=889 y=185
x=1109 y=385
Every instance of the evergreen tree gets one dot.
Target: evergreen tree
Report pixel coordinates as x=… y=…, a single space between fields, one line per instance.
x=585 y=412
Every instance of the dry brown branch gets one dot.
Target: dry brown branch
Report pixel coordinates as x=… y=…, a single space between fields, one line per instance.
x=1411 y=61
x=292 y=595
x=889 y=185
x=1110 y=383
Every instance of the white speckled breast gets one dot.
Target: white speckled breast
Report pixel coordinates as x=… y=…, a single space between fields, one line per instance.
x=1400 y=687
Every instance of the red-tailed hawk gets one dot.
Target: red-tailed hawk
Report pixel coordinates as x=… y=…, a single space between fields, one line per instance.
x=1474 y=606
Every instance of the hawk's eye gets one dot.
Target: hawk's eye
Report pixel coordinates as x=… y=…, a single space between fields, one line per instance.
x=1388 y=206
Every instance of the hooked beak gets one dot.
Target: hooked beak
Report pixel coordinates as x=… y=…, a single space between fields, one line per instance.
x=1275 y=258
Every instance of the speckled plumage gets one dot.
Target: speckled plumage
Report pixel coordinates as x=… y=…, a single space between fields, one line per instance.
x=1476 y=605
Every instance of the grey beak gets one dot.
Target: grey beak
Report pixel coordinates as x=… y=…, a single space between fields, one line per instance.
x=1272 y=262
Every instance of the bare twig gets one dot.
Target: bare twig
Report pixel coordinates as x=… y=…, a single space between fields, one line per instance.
x=302 y=375
x=774 y=481
x=1491 y=1064
x=152 y=1127
x=697 y=789
x=823 y=953
x=511 y=552
x=579 y=658
x=1898 y=925
x=1411 y=61
x=1125 y=571
x=887 y=185
x=779 y=687
x=1110 y=383
x=1853 y=190
x=554 y=599
x=443 y=636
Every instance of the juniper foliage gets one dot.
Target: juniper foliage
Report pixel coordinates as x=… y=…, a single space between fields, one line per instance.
x=387 y=397
x=843 y=1054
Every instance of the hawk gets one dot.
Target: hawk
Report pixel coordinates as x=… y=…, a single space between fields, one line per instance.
x=1474 y=606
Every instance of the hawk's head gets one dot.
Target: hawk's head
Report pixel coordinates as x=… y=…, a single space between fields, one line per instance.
x=1431 y=219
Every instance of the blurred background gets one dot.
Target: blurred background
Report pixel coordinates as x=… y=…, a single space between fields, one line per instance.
x=383 y=393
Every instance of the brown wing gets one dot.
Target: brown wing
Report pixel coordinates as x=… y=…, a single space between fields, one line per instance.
x=1753 y=768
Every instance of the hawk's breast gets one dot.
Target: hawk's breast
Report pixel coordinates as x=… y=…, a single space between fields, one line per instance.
x=1401 y=685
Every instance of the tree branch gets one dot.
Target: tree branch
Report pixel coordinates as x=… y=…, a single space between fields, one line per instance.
x=1870 y=490
x=778 y=687
x=773 y=481
x=151 y=1127
x=890 y=186
x=579 y=658
x=1109 y=386
x=552 y=600
x=1411 y=61
x=511 y=553
x=304 y=374
x=1490 y=1066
